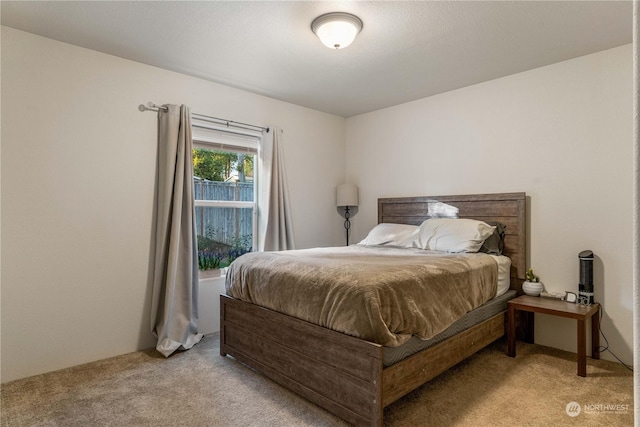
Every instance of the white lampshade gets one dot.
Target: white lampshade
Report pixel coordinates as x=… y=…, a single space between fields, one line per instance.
x=336 y=30
x=347 y=195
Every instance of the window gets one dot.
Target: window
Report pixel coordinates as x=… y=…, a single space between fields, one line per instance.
x=225 y=181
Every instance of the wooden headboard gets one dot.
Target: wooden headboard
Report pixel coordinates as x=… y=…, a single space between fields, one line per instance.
x=507 y=208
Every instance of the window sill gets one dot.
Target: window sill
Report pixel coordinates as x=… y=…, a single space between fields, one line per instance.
x=211 y=275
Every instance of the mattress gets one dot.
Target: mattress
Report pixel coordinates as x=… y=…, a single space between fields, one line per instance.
x=392 y=355
x=504 y=273
x=379 y=294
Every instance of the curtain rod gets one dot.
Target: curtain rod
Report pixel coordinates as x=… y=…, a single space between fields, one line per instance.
x=229 y=123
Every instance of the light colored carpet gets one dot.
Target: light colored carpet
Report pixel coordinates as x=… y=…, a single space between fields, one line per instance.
x=200 y=388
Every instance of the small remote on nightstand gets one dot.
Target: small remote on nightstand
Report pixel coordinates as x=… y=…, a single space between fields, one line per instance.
x=551 y=295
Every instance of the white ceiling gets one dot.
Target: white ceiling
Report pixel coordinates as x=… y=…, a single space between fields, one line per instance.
x=406 y=50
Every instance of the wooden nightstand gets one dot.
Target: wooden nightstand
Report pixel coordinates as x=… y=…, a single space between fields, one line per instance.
x=563 y=309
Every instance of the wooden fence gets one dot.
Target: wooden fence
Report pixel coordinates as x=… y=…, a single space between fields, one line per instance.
x=229 y=226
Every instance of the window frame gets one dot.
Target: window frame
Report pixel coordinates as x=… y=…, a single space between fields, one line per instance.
x=207 y=136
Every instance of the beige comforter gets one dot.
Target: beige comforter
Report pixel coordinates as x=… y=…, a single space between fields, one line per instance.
x=380 y=294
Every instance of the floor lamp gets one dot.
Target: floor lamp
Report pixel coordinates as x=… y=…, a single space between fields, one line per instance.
x=347 y=196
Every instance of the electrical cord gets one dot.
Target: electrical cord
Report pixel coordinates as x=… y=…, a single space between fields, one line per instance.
x=605 y=347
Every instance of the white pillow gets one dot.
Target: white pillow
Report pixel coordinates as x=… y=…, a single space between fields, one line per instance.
x=453 y=235
x=402 y=235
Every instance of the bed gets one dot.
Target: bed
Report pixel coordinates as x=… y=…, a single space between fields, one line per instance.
x=349 y=376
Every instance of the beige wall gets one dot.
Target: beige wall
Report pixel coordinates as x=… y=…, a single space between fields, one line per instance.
x=78 y=171
x=78 y=168
x=562 y=134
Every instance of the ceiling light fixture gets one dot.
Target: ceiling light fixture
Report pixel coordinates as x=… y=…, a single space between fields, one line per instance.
x=336 y=30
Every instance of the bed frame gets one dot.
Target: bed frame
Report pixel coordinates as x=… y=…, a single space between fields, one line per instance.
x=344 y=374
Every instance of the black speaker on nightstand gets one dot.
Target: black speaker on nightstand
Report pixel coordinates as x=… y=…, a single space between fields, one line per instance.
x=585 y=287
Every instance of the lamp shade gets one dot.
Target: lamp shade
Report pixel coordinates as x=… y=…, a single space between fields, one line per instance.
x=347 y=195
x=336 y=30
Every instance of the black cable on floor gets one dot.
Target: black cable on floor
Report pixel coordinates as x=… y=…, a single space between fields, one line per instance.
x=604 y=348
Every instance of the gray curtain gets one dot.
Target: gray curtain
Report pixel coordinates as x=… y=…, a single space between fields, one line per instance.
x=174 y=307
x=276 y=226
